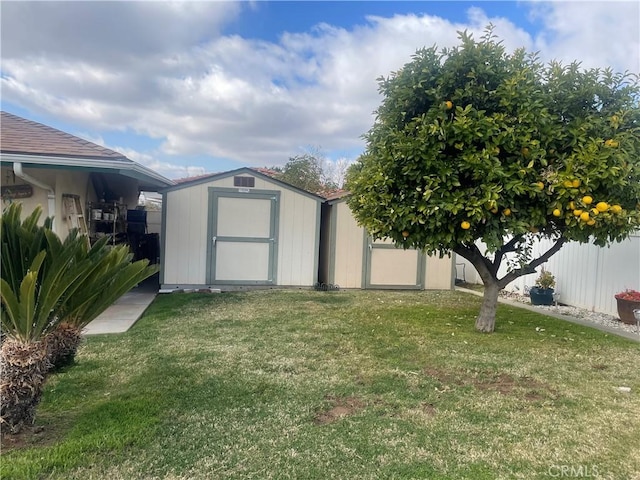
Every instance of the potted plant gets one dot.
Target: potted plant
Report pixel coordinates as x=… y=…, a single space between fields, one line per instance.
x=542 y=292
x=628 y=301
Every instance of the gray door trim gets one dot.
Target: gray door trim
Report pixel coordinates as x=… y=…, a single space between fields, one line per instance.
x=368 y=247
x=215 y=193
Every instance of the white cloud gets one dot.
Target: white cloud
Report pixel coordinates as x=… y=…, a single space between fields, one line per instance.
x=163 y=70
x=598 y=34
x=149 y=160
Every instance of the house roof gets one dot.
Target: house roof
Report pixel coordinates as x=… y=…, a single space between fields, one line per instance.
x=336 y=195
x=35 y=144
x=22 y=136
x=258 y=172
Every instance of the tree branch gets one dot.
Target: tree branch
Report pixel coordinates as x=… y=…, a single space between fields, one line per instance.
x=531 y=266
x=479 y=261
x=510 y=246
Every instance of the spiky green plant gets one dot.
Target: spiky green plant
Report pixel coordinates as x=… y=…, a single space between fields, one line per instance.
x=114 y=275
x=32 y=284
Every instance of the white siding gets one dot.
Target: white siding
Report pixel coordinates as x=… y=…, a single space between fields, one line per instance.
x=349 y=244
x=185 y=248
x=587 y=276
x=298 y=239
x=349 y=241
x=439 y=274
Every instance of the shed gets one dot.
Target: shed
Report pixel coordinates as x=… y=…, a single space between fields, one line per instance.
x=351 y=258
x=239 y=228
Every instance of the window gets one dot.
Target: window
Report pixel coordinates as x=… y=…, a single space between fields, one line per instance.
x=244 y=182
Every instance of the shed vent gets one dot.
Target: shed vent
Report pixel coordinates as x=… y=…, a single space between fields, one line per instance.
x=244 y=182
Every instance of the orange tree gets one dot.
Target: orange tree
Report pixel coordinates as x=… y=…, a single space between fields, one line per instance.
x=474 y=144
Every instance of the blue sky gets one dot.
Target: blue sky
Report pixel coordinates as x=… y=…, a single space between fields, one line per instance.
x=192 y=87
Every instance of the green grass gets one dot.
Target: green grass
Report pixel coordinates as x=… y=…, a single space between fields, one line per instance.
x=367 y=385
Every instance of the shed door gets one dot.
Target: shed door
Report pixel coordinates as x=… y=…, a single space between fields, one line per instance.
x=243 y=237
x=388 y=266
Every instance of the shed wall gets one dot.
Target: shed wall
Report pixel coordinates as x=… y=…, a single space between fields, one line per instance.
x=439 y=273
x=348 y=245
x=186 y=242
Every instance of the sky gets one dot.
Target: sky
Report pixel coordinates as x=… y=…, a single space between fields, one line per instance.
x=193 y=87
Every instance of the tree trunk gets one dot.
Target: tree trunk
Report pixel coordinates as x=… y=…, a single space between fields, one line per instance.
x=62 y=344
x=486 y=320
x=24 y=367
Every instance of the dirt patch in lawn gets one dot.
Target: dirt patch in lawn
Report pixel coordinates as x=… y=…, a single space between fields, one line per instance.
x=30 y=436
x=340 y=407
x=526 y=387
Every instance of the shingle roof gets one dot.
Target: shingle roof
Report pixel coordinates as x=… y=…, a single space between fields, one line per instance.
x=335 y=194
x=21 y=136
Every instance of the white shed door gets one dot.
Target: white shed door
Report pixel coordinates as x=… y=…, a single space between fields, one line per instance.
x=243 y=237
x=390 y=267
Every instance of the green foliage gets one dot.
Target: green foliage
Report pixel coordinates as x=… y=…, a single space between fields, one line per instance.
x=111 y=276
x=22 y=241
x=305 y=172
x=546 y=279
x=46 y=281
x=515 y=148
x=50 y=270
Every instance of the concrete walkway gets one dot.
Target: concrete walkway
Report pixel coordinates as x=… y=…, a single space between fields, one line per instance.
x=126 y=311
x=579 y=321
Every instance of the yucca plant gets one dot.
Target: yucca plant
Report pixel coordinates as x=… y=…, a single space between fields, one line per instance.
x=33 y=282
x=114 y=275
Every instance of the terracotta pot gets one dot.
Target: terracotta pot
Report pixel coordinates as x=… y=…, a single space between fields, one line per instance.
x=626 y=308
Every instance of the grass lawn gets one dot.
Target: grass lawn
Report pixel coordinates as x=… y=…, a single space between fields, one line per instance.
x=348 y=385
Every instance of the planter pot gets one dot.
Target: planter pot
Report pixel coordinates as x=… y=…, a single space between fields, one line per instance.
x=626 y=308
x=541 y=296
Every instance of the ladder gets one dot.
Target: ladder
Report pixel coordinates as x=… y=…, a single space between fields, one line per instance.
x=73 y=213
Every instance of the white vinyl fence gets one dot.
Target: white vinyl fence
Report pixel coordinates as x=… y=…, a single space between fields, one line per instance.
x=587 y=276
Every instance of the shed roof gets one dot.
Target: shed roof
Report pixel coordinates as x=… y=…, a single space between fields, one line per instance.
x=258 y=172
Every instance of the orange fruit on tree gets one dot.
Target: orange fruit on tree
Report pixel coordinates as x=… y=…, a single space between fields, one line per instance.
x=448 y=104
x=584 y=216
x=616 y=208
x=577 y=212
x=587 y=200
x=572 y=206
x=507 y=211
x=465 y=225
x=557 y=212
x=540 y=185
x=405 y=233
x=568 y=183
x=591 y=222
x=595 y=211
x=602 y=206
x=575 y=183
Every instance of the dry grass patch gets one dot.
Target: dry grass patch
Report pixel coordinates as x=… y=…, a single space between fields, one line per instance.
x=339 y=408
